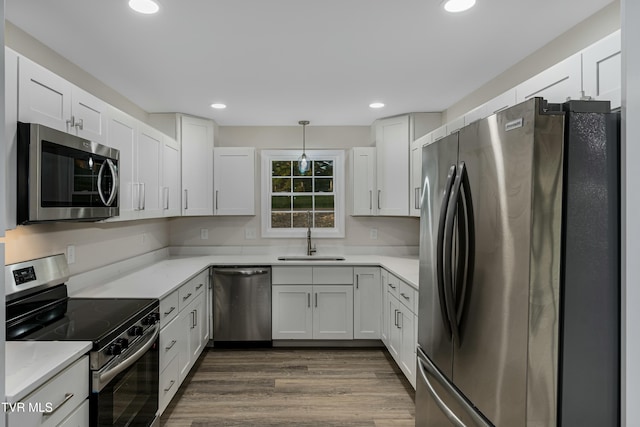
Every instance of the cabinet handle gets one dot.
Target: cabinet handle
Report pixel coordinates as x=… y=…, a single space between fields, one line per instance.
x=166 y=198
x=309 y=300
x=370 y=199
x=80 y=124
x=166 y=313
x=216 y=199
x=67 y=397
x=417 y=195
x=391 y=286
x=379 y=191
x=186 y=199
x=71 y=123
x=357 y=281
x=173 y=342
x=404 y=296
x=144 y=196
x=186 y=297
x=195 y=317
x=316 y=300
x=395 y=318
x=199 y=286
x=170 y=385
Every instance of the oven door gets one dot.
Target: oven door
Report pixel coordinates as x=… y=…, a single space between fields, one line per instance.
x=125 y=391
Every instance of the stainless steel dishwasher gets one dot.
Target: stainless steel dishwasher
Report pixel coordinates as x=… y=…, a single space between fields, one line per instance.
x=241 y=305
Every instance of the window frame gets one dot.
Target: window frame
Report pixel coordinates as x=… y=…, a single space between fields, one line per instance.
x=338 y=158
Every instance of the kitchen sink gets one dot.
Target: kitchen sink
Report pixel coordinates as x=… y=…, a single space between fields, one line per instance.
x=310 y=258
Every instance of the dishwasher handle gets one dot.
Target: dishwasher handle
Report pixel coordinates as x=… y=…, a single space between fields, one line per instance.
x=241 y=271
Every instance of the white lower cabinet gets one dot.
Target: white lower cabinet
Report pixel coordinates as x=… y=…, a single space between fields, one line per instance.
x=61 y=396
x=367 y=302
x=333 y=312
x=78 y=418
x=184 y=334
x=291 y=313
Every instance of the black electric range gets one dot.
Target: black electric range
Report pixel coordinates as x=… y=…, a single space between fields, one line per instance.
x=124 y=359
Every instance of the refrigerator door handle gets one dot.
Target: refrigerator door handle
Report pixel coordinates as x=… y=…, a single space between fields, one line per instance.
x=440 y=256
x=468 y=231
x=426 y=369
x=447 y=242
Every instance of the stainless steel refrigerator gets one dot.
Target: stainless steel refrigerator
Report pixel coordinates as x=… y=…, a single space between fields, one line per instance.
x=519 y=270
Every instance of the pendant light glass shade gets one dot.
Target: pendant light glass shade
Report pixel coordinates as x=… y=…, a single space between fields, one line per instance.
x=303 y=161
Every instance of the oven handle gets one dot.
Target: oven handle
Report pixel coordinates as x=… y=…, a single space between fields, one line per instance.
x=102 y=378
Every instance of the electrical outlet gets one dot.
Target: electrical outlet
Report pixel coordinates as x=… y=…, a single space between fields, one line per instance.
x=204 y=234
x=373 y=234
x=250 y=233
x=71 y=254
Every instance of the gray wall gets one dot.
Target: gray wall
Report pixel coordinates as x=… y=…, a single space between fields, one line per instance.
x=599 y=25
x=231 y=230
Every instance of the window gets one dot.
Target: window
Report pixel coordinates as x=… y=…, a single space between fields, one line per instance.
x=291 y=201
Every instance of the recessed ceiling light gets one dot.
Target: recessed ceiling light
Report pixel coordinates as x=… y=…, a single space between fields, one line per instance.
x=218 y=106
x=376 y=105
x=147 y=7
x=458 y=5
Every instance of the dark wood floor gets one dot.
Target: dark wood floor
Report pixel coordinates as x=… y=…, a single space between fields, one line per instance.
x=293 y=387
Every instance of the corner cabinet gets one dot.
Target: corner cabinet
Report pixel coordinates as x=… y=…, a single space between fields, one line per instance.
x=234 y=180
x=312 y=303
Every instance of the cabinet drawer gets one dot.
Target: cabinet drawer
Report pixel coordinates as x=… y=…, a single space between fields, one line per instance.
x=200 y=282
x=169 y=307
x=63 y=393
x=79 y=417
x=392 y=284
x=170 y=337
x=333 y=275
x=168 y=384
x=291 y=275
x=407 y=296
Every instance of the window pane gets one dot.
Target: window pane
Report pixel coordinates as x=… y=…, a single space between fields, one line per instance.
x=324 y=185
x=281 y=185
x=302 y=185
x=281 y=220
x=324 y=203
x=325 y=220
x=281 y=168
x=281 y=203
x=302 y=203
x=296 y=169
x=301 y=219
x=323 y=167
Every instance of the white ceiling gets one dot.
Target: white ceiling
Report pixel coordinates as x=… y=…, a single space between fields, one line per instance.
x=274 y=62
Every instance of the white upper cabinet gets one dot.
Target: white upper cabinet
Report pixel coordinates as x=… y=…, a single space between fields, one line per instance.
x=602 y=70
x=416 y=173
x=234 y=180
x=121 y=129
x=48 y=99
x=558 y=84
x=196 y=140
x=392 y=175
x=363 y=172
x=171 y=205
x=147 y=188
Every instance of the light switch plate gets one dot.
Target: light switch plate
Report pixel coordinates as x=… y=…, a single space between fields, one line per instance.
x=71 y=254
x=204 y=233
x=250 y=233
x=373 y=234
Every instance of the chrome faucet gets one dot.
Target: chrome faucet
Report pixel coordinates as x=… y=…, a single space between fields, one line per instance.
x=310 y=250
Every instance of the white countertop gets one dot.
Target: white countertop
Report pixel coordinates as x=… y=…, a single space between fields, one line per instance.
x=161 y=278
x=29 y=364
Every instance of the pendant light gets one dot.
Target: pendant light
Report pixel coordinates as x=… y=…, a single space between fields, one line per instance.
x=303 y=161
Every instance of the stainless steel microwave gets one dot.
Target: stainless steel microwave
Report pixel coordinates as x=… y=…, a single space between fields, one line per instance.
x=62 y=177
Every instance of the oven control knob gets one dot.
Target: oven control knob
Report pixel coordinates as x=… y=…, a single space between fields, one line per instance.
x=123 y=343
x=135 y=331
x=151 y=319
x=114 y=349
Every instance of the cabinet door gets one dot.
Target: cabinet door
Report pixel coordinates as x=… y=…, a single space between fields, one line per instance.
x=556 y=84
x=196 y=340
x=392 y=174
x=363 y=173
x=291 y=312
x=149 y=157
x=395 y=333
x=44 y=97
x=234 y=180
x=367 y=303
x=333 y=312
x=408 y=345
x=122 y=135
x=170 y=177
x=196 y=139
x=11 y=138
x=384 y=334
x=416 y=177
x=169 y=343
x=602 y=70
x=89 y=115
